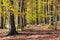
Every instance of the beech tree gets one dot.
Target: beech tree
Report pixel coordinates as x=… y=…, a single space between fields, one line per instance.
x=12 y=22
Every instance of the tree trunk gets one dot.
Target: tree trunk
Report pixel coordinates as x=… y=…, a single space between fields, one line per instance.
x=2 y=22
x=24 y=20
x=2 y=19
x=46 y=10
x=52 y=21
x=23 y=7
x=37 y=22
x=22 y=25
x=12 y=23
x=55 y=16
x=19 y=20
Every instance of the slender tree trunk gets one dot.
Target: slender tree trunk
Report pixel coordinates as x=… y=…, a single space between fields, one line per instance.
x=46 y=10
x=25 y=20
x=19 y=20
x=2 y=22
x=37 y=22
x=22 y=25
x=22 y=18
x=23 y=7
x=2 y=19
x=55 y=15
x=52 y=22
x=19 y=17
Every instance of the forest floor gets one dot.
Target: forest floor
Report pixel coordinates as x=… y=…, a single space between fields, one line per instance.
x=33 y=33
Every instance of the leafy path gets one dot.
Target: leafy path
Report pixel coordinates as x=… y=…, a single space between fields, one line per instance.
x=31 y=35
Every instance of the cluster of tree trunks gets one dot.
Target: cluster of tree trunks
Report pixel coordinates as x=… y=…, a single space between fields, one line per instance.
x=22 y=20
